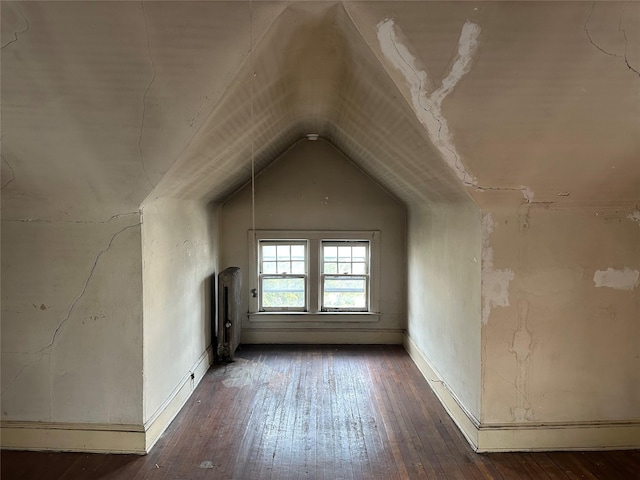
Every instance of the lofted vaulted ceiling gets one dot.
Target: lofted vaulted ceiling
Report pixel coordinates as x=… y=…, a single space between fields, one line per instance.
x=105 y=104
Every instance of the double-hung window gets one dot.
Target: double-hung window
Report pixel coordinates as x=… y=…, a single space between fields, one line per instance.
x=345 y=276
x=283 y=275
x=323 y=276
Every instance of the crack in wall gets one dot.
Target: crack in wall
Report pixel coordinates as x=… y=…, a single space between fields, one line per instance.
x=428 y=107
x=13 y=175
x=7 y=386
x=46 y=350
x=144 y=98
x=626 y=47
x=84 y=289
x=521 y=348
x=77 y=222
x=506 y=380
x=526 y=192
x=620 y=29
x=15 y=34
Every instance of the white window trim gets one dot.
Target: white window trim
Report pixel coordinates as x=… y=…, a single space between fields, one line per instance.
x=314 y=238
x=323 y=275
x=305 y=276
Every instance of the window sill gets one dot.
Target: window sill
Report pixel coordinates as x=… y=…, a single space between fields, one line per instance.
x=320 y=317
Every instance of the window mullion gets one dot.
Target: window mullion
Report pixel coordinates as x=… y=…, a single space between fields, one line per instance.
x=313 y=291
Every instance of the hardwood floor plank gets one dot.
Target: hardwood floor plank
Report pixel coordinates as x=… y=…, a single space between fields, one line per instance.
x=316 y=412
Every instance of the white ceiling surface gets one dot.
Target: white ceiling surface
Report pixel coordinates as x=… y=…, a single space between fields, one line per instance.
x=106 y=103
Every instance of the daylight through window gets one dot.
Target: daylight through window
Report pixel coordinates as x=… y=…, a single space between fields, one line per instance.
x=283 y=276
x=314 y=275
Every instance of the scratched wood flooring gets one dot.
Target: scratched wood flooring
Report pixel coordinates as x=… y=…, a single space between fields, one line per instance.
x=317 y=412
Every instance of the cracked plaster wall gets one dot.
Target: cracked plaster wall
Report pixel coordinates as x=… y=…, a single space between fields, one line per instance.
x=180 y=249
x=444 y=259
x=562 y=349
x=72 y=321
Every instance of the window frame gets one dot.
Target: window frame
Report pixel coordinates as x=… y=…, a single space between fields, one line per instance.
x=262 y=275
x=313 y=311
x=324 y=275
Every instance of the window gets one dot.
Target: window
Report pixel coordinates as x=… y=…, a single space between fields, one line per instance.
x=283 y=276
x=313 y=275
x=345 y=276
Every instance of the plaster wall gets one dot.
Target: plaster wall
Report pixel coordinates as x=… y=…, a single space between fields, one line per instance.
x=565 y=345
x=314 y=187
x=72 y=321
x=444 y=295
x=180 y=249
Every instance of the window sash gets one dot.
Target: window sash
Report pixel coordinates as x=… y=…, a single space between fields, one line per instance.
x=287 y=267
x=329 y=306
x=349 y=261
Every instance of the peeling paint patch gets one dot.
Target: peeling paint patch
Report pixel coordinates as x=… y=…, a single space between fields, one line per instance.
x=625 y=279
x=495 y=283
x=635 y=216
x=428 y=107
x=521 y=346
x=527 y=193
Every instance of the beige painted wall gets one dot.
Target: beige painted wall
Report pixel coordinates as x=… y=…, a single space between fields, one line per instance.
x=72 y=321
x=564 y=349
x=314 y=187
x=444 y=295
x=180 y=249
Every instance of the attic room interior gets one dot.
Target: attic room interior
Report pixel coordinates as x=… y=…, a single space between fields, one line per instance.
x=486 y=154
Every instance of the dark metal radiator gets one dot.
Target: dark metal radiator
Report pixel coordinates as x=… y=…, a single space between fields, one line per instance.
x=229 y=320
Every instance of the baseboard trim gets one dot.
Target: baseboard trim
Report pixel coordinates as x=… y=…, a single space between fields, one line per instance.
x=466 y=422
x=559 y=437
x=104 y=438
x=73 y=437
x=485 y=438
x=322 y=336
x=164 y=415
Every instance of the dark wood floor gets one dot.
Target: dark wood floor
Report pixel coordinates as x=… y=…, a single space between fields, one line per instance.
x=317 y=412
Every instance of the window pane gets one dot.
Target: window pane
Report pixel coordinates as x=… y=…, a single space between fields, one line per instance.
x=268 y=252
x=330 y=268
x=283 y=293
x=330 y=254
x=284 y=267
x=344 y=268
x=350 y=292
x=344 y=254
x=269 y=267
x=359 y=268
x=297 y=268
x=359 y=254
x=284 y=252
x=297 y=252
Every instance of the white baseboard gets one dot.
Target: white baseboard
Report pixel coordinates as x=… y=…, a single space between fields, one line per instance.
x=322 y=336
x=560 y=436
x=465 y=421
x=525 y=437
x=162 y=418
x=104 y=438
x=73 y=437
